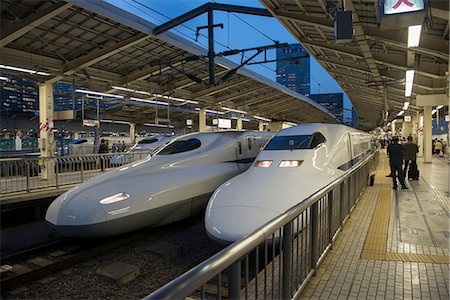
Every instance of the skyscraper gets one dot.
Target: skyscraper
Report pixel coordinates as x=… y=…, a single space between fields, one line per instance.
x=294 y=73
x=334 y=102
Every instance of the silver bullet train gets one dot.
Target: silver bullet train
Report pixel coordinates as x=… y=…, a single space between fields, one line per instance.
x=294 y=164
x=171 y=185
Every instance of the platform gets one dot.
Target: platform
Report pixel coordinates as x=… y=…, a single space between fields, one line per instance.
x=395 y=244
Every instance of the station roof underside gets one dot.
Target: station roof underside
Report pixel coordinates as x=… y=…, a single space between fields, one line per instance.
x=98 y=45
x=374 y=56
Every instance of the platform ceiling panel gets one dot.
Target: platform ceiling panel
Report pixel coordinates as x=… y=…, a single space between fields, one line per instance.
x=97 y=45
x=374 y=57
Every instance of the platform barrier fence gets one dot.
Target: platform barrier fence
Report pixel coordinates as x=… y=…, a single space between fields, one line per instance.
x=277 y=260
x=32 y=173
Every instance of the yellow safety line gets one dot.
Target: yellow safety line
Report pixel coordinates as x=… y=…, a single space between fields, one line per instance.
x=376 y=239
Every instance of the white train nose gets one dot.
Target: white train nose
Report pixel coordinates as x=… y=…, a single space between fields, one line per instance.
x=231 y=223
x=75 y=213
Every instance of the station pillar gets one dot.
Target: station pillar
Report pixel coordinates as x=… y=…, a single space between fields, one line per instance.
x=47 y=139
x=414 y=127
x=133 y=133
x=393 y=128
x=261 y=126
x=427 y=133
x=239 y=122
x=202 y=120
x=406 y=129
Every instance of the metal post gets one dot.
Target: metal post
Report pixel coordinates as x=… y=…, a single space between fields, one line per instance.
x=212 y=79
x=314 y=235
x=234 y=276
x=27 y=165
x=81 y=168
x=56 y=173
x=330 y=218
x=287 y=261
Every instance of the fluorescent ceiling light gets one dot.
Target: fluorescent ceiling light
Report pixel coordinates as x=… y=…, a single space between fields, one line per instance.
x=119 y=88
x=434 y=111
x=401 y=113
x=234 y=110
x=405 y=105
x=149 y=101
x=157 y=125
x=99 y=94
x=4 y=78
x=440 y=106
x=388 y=124
x=94 y=97
x=409 y=82
x=23 y=70
x=175 y=99
x=114 y=121
x=414 y=35
x=394 y=121
x=262 y=119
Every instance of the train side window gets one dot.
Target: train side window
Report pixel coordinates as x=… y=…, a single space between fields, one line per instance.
x=240 y=148
x=180 y=146
x=317 y=139
x=249 y=144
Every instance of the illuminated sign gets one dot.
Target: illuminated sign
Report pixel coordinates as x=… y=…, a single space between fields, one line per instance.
x=447 y=118
x=189 y=122
x=91 y=123
x=224 y=123
x=392 y=7
x=407 y=118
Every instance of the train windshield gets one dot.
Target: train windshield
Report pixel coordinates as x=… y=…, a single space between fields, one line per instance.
x=150 y=141
x=289 y=142
x=180 y=146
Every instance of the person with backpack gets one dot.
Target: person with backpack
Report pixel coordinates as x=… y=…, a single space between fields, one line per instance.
x=411 y=150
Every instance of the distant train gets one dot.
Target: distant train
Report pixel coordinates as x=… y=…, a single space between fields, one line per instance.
x=296 y=162
x=148 y=144
x=172 y=185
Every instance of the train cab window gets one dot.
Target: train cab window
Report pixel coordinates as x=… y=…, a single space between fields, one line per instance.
x=317 y=139
x=289 y=142
x=180 y=146
x=150 y=141
x=249 y=144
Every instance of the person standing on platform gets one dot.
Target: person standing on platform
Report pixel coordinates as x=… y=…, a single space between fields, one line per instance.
x=438 y=147
x=389 y=142
x=411 y=150
x=102 y=149
x=396 y=153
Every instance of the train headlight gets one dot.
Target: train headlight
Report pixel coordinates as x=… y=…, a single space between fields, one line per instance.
x=263 y=163
x=290 y=163
x=115 y=198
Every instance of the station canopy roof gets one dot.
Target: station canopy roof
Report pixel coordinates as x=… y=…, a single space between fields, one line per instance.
x=98 y=46
x=374 y=56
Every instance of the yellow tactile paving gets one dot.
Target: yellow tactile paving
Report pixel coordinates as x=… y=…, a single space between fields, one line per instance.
x=376 y=239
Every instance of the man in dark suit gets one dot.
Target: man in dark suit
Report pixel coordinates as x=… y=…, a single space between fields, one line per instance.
x=396 y=153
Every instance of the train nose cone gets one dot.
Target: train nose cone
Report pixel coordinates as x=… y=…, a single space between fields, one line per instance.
x=229 y=224
x=63 y=212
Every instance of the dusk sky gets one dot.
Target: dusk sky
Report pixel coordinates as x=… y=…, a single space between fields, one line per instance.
x=240 y=31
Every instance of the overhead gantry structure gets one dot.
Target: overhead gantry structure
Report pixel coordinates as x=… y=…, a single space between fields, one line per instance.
x=371 y=67
x=97 y=45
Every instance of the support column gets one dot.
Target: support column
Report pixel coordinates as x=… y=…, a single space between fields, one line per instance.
x=406 y=129
x=133 y=133
x=47 y=139
x=420 y=134
x=239 y=122
x=202 y=120
x=414 y=127
x=427 y=134
x=393 y=128
x=261 y=126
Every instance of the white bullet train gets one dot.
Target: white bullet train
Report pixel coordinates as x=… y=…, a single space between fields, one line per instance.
x=296 y=163
x=173 y=184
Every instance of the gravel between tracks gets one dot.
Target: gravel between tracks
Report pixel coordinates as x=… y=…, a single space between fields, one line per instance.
x=80 y=282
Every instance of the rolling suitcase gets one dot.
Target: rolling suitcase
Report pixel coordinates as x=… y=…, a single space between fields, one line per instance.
x=413 y=172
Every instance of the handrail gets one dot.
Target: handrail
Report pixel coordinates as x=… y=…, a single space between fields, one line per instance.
x=192 y=279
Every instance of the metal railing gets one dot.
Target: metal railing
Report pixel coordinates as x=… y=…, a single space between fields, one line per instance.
x=26 y=174
x=277 y=260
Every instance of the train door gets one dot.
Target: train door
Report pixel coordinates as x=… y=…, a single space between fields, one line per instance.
x=242 y=153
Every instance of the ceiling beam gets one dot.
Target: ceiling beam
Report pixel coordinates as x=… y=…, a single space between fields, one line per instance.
x=16 y=30
x=221 y=87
